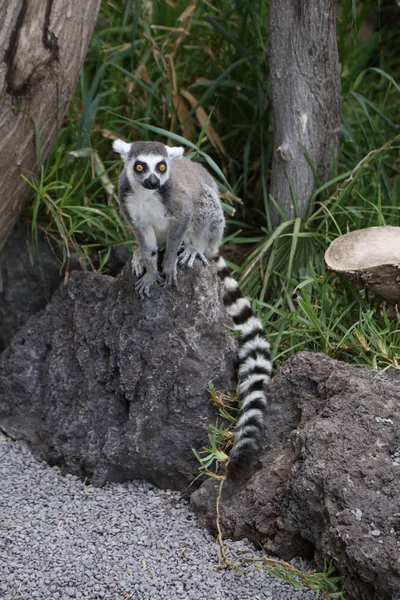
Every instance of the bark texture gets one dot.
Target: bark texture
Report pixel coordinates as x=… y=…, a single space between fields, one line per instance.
x=42 y=47
x=305 y=89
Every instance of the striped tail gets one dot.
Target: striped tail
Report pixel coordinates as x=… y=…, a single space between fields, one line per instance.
x=254 y=372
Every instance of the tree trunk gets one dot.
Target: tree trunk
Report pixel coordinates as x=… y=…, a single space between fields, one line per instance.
x=305 y=88
x=42 y=47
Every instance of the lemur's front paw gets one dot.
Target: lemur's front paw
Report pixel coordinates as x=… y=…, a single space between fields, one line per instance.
x=137 y=263
x=169 y=274
x=144 y=284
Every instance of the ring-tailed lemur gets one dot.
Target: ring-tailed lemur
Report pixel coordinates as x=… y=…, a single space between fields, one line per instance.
x=175 y=202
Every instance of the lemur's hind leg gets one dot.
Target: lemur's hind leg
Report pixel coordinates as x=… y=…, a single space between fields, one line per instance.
x=204 y=235
x=195 y=242
x=212 y=251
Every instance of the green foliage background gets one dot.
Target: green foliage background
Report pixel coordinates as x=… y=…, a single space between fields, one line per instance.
x=199 y=70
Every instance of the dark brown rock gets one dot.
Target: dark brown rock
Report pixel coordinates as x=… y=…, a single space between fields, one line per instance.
x=111 y=387
x=329 y=480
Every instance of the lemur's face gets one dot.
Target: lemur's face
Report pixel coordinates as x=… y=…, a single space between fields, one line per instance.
x=147 y=163
x=150 y=170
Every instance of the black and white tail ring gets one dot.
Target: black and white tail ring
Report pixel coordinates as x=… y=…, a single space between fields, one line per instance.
x=254 y=371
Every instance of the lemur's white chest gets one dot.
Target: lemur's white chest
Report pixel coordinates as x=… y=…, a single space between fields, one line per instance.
x=146 y=208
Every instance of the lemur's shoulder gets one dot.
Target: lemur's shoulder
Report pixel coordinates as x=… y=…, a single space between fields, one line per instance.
x=190 y=175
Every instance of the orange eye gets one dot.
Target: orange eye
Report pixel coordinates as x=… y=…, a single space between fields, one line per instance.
x=139 y=168
x=162 y=167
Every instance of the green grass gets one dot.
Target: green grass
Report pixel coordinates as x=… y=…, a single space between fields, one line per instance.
x=156 y=70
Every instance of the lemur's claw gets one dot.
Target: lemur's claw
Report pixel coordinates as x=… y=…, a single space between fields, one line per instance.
x=139 y=271
x=188 y=256
x=144 y=284
x=170 y=277
x=171 y=281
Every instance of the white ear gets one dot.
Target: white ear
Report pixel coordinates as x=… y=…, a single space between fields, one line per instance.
x=122 y=148
x=175 y=152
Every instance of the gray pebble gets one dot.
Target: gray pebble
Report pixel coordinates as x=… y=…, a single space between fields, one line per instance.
x=62 y=539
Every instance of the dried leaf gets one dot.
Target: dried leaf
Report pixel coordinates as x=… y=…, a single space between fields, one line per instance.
x=112 y=51
x=100 y=171
x=187 y=125
x=186 y=19
x=107 y=133
x=187 y=13
x=229 y=197
x=202 y=118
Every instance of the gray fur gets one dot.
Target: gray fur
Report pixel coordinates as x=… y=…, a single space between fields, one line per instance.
x=184 y=212
x=147 y=148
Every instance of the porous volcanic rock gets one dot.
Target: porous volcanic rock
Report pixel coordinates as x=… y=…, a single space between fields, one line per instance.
x=328 y=482
x=31 y=271
x=111 y=387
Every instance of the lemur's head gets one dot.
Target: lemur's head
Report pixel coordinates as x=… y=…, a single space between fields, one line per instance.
x=147 y=163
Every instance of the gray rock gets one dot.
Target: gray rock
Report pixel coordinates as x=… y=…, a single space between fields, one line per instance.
x=111 y=387
x=29 y=275
x=30 y=272
x=327 y=453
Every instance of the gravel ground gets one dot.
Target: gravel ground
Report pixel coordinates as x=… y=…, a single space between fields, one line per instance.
x=62 y=539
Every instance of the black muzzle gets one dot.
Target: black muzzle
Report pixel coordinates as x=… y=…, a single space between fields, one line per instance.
x=151 y=183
